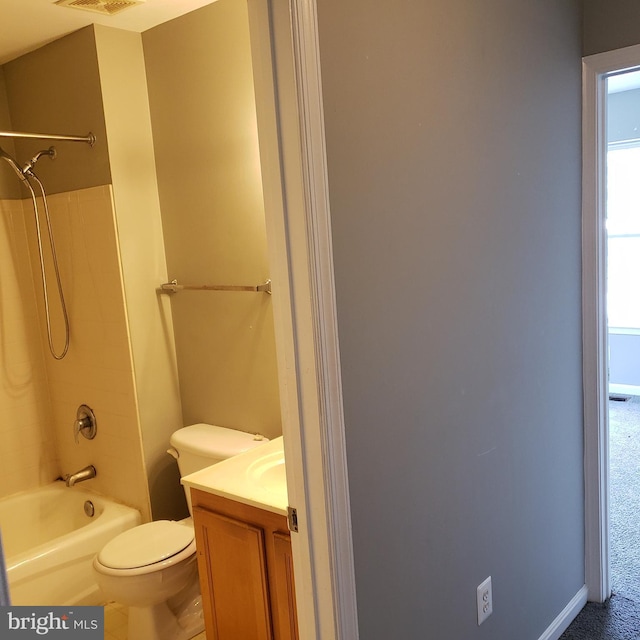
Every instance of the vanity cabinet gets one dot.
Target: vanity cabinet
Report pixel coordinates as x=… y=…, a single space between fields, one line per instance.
x=246 y=570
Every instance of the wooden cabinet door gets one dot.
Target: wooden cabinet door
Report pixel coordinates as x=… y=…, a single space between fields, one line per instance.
x=233 y=577
x=284 y=595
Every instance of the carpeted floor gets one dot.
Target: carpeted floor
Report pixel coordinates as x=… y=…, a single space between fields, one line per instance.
x=619 y=618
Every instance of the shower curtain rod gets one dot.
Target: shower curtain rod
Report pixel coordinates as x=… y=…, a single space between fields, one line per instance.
x=89 y=138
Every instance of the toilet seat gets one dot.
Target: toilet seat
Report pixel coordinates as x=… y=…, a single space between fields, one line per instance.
x=148 y=547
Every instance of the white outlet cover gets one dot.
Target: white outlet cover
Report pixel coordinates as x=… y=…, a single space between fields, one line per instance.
x=484 y=600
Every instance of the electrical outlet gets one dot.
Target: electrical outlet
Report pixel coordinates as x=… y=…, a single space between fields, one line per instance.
x=484 y=599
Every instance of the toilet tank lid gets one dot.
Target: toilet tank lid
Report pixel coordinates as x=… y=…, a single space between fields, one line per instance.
x=214 y=441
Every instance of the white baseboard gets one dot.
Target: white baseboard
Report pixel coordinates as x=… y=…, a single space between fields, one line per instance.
x=566 y=616
x=624 y=389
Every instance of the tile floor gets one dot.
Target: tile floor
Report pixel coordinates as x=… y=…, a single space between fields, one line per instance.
x=115 y=623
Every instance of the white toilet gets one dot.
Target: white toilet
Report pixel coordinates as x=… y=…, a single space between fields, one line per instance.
x=152 y=568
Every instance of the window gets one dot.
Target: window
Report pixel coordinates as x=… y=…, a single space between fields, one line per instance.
x=623 y=231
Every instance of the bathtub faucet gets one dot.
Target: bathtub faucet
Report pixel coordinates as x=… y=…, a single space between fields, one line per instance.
x=80 y=476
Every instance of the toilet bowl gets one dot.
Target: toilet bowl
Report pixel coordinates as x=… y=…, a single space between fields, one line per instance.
x=152 y=568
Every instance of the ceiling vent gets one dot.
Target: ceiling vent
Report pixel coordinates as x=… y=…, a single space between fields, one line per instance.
x=104 y=7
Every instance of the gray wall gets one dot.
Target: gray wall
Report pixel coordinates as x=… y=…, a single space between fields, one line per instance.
x=56 y=89
x=610 y=24
x=453 y=141
x=9 y=182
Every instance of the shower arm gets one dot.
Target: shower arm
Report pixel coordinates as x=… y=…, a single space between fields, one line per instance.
x=90 y=139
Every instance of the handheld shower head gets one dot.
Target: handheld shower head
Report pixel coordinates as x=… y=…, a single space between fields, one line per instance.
x=14 y=165
x=27 y=175
x=51 y=152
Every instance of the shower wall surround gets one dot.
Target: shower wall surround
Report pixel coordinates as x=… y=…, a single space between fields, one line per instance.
x=98 y=370
x=28 y=453
x=39 y=395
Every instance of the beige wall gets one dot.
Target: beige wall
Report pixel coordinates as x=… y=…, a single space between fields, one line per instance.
x=206 y=143
x=609 y=24
x=126 y=112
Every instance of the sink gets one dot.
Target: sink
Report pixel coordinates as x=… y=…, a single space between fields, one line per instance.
x=255 y=477
x=268 y=472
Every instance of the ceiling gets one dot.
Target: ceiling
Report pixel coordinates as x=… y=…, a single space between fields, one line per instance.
x=26 y=25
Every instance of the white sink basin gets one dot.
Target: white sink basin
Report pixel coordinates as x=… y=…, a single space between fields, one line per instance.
x=268 y=472
x=256 y=477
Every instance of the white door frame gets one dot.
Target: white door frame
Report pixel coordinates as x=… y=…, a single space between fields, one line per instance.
x=595 y=361
x=284 y=41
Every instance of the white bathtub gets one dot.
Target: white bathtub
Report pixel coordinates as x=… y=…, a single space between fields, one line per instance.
x=49 y=543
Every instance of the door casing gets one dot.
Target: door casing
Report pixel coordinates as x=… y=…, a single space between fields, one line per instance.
x=284 y=42
x=595 y=70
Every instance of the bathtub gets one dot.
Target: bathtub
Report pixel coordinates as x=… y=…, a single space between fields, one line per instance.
x=49 y=543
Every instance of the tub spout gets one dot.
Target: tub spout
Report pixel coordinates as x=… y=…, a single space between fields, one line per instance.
x=80 y=476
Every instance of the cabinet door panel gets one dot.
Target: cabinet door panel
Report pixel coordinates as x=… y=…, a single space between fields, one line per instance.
x=285 y=618
x=233 y=576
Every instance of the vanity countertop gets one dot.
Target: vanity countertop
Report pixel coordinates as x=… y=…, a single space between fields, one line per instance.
x=255 y=477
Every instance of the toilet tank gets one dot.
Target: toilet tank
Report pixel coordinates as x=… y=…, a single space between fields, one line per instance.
x=201 y=445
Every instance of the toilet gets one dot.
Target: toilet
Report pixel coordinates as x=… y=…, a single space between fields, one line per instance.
x=152 y=568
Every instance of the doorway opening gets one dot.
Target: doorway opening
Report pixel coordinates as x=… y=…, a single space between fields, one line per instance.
x=609 y=325
x=622 y=216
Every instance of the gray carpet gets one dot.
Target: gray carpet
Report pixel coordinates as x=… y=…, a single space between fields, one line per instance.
x=619 y=617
